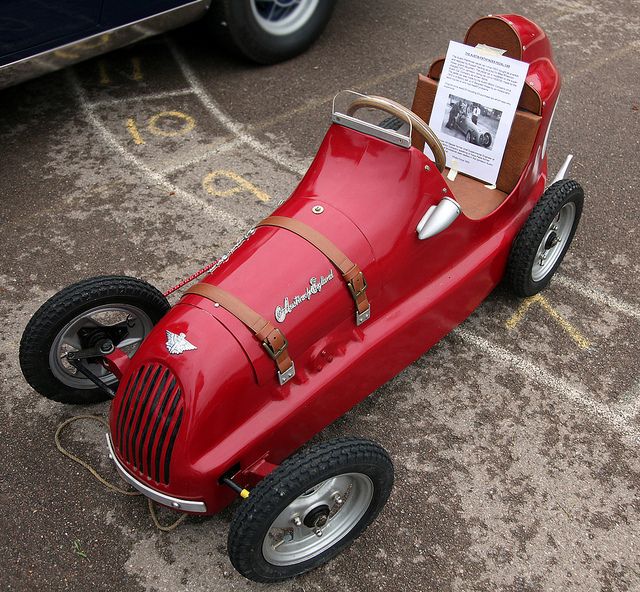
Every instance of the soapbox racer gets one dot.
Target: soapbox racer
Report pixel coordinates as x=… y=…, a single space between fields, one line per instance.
x=213 y=397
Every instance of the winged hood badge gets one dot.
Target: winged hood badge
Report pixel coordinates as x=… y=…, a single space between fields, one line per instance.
x=177 y=343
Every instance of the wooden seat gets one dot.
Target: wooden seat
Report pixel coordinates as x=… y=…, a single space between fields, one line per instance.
x=474 y=197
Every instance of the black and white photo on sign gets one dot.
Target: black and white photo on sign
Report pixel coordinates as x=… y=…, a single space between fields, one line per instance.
x=470 y=121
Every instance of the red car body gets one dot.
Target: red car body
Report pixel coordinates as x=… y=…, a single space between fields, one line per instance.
x=219 y=409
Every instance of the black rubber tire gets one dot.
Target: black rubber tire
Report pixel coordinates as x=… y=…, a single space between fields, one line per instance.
x=234 y=26
x=523 y=252
x=55 y=313
x=291 y=479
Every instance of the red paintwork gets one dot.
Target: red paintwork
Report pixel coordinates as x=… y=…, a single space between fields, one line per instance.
x=374 y=194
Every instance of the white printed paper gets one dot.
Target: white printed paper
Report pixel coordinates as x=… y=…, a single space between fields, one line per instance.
x=474 y=108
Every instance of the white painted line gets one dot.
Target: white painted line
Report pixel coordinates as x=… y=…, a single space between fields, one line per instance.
x=224 y=146
x=558 y=388
x=234 y=127
x=597 y=296
x=202 y=204
x=629 y=405
x=149 y=97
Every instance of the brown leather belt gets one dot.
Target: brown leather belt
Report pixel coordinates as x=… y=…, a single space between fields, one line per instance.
x=271 y=338
x=351 y=273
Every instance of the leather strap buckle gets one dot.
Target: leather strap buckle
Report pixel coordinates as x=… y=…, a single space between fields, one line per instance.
x=272 y=353
x=352 y=289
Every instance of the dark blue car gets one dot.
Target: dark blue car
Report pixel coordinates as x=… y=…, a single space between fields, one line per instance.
x=39 y=36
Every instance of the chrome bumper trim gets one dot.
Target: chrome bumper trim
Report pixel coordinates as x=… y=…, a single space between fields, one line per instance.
x=156 y=496
x=65 y=55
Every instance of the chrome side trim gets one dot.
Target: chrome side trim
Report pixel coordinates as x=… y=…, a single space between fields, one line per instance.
x=88 y=47
x=166 y=500
x=371 y=130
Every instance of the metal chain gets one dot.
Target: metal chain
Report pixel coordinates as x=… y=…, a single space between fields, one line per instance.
x=211 y=267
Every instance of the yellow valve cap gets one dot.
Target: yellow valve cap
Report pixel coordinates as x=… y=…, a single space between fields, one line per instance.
x=244 y=494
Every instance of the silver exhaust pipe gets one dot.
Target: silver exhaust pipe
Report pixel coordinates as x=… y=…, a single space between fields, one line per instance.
x=564 y=169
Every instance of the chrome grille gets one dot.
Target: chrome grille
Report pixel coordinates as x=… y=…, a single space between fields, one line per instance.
x=148 y=421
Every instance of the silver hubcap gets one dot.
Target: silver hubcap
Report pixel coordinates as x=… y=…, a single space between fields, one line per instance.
x=68 y=340
x=553 y=242
x=283 y=17
x=317 y=519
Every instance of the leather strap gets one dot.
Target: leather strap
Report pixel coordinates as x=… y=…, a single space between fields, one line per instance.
x=271 y=338
x=350 y=271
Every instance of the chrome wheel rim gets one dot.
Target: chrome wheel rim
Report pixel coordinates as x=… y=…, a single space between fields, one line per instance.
x=282 y=17
x=318 y=519
x=553 y=242
x=68 y=339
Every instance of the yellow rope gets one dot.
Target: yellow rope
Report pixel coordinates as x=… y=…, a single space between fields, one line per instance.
x=100 y=478
x=154 y=517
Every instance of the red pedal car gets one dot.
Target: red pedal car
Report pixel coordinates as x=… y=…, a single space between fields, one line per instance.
x=372 y=260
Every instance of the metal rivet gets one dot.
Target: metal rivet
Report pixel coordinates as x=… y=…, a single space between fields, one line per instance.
x=216 y=304
x=427 y=168
x=175 y=504
x=317 y=209
x=444 y=190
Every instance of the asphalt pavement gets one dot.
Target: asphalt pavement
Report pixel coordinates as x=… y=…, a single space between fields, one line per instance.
x=515 y=439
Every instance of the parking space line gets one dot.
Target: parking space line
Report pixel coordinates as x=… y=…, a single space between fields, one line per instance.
x=233 y=126
x=559 y=388
x=598 y=296
x=540 y=300
x=203 y=205
x=629 y=405
x=147 y=97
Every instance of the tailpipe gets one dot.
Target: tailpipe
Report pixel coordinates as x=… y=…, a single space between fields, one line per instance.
x=564 y=169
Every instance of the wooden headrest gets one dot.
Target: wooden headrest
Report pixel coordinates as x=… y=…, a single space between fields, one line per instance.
x=495 y=32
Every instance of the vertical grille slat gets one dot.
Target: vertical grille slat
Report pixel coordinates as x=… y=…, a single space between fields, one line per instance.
x=144 y=413
x=154 y=430
x=133 y=413
x=163 y=433
x=149 y=420
x=126 y=401
x=126 y=393
x=172 y=440
x=152 y=417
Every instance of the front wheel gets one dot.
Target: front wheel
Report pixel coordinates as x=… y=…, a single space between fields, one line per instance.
x=269 y=31
x=544 y=239
x=309 y=509
x=90 y=319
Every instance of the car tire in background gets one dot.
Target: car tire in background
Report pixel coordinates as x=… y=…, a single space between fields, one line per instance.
x=269 y=31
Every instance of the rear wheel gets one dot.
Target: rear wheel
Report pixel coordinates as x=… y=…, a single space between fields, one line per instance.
x=269 y=31
x=544 y=239
x=93 y=316
x=309 y=509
